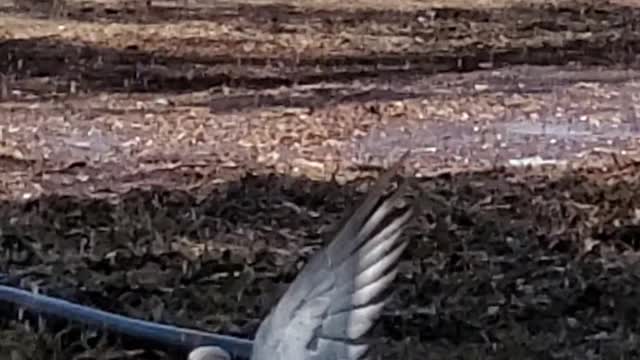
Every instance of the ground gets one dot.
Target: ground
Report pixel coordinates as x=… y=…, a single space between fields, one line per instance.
x=180 y=162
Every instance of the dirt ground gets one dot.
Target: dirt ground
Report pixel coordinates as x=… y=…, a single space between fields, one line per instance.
x=179 y=163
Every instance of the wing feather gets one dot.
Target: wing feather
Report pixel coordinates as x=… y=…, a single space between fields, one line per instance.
x=339 y=295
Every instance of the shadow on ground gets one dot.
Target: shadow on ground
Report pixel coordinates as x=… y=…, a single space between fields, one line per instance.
x=600 y=36
x=275 y=15
x=500 y=263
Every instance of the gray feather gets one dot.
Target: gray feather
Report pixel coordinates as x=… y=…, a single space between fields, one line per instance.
x=339 y=295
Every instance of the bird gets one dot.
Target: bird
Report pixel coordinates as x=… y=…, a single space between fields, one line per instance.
x=326 y=312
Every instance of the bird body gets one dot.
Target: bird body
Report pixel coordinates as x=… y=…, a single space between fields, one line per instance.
x=209 y=353
x=323 y=315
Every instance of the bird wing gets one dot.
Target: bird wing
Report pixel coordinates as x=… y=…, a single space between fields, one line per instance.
x=340 y=293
